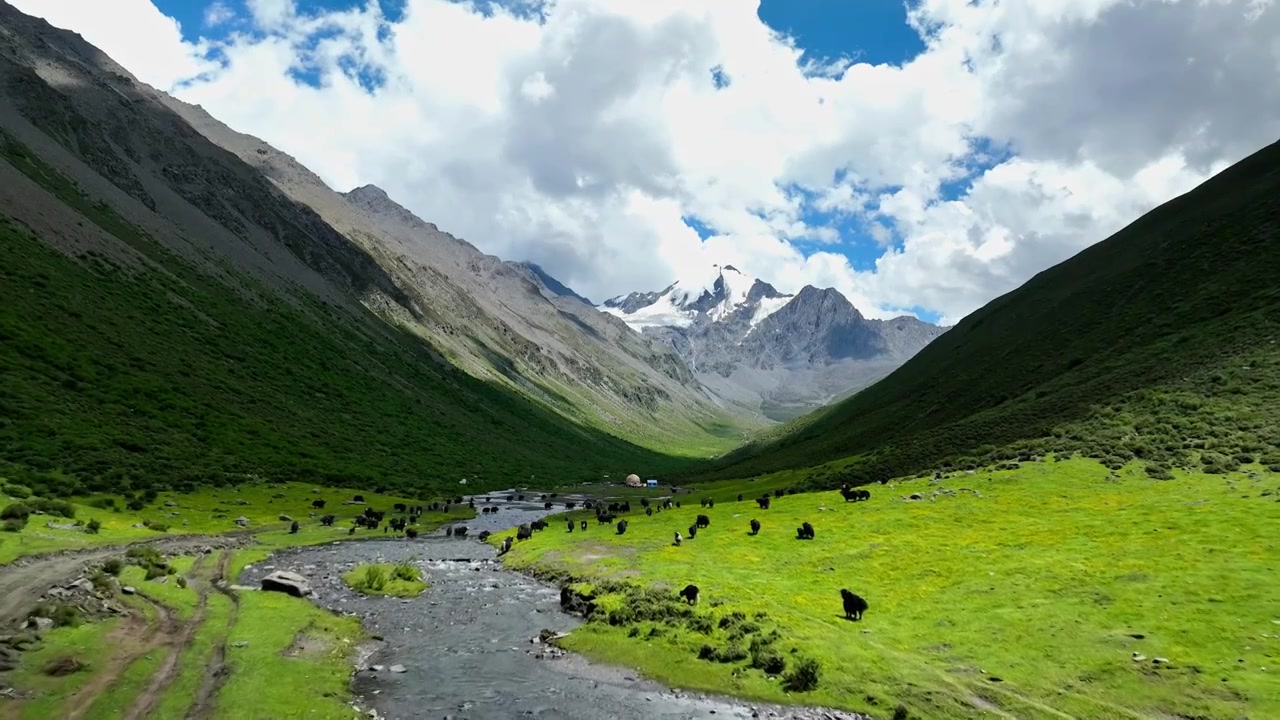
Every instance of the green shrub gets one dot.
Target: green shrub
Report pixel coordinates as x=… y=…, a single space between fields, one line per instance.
x=768 y=660
x=373 y=579
x=14 y=524
x=156 y=525
x=804 y=676
x=20 y=492
x=136 y=504
x=1158 y=471
x=113 y=566
x=105 y=503
x=51 y=506
x=93 y=527
x=16 y=511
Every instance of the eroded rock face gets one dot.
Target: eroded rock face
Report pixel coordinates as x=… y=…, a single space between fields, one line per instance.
x=287 y=582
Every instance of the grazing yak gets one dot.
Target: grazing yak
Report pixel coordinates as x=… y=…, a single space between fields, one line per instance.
x=804 y=532
x=648 y=511
x=484 y=535
x=584 y=525
x=448 y=531
x=460 y=531
x=702 y=521
x=570 y=526
x=506 y=545
x=328 y=520
x=357 y=498
x=690 y=594
x=755 y=527
x=399 y=507
x=854 y=605
x=538 y=525
x=317 y=504
x=763 y=502
x=570 y=505
x=524 y=532
x=854 y=495
x=678 y=538
x=739 y=497
x=546 y=505
x=622 y=527
x=693 y=531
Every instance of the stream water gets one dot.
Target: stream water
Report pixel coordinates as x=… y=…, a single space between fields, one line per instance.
x=465 y=645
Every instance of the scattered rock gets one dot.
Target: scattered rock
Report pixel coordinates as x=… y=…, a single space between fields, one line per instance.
x=128 y=590
x=171 y=504
x=1139 y=657
x=1159 y=661
x=63 y=666
x=285 y=518
x=242 y=521
x=397 y=669
x=240 y=644
x=287 y=582
x=42 y=624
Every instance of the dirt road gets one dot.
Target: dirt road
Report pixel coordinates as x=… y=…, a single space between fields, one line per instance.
x=25 y=580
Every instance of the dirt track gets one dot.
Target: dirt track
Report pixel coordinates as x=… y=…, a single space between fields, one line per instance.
x=25 y=580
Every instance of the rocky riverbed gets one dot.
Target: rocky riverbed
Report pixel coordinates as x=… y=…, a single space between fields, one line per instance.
x=470 y=646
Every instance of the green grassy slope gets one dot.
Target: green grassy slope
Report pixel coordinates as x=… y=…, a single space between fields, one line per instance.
x=117 y=378
x=1159 y=343
x=1009 y=594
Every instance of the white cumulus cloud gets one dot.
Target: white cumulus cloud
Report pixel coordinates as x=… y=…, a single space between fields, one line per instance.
x=580 y=133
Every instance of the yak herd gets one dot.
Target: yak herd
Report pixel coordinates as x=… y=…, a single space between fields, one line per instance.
x=854 y=605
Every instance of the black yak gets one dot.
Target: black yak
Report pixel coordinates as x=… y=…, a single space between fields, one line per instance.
x=648 y=511
x=328 y=520
x=693 y=531
x=690 y=594
x=524 y=532
x=763 y=502
x=546 y=505
x=677 y=538
x=460 y=532
x=739 y=497
x=622 y=527
x=317 y=504
x=804 y=532
x=755 y=527
x=448 y=531
x=854 y=606
x=702 y=521
x=570 y=526
x=357 y=498
x=484 y=534
x=584 y=524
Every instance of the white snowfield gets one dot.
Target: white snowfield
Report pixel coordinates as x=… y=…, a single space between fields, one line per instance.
x=728 y=288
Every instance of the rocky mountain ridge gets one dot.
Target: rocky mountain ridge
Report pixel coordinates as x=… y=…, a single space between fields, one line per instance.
x=779 y=353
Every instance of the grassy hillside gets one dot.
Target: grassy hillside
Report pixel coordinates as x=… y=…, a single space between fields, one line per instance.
x=1159 y=343
x=1044 y=592
x=123 y=377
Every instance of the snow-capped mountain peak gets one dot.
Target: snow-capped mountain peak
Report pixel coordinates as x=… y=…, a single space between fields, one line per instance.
x=685 y=302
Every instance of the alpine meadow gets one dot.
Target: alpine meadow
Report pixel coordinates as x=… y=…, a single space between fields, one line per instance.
x=791 y=367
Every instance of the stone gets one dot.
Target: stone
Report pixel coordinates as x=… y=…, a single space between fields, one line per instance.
x=128 y=590
x=1160 y=661
x=242 y=521
x=42 y=624
x=240 y=644
x=397 y=669
x=1139 y=657
x=285 y=518
x=287 y=582
x=171 y=504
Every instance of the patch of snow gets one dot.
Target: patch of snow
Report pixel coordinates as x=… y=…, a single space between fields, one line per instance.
x=769 y=306
x=662 y=313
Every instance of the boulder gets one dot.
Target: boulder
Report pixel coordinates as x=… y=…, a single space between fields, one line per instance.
x=242 y=521
x=287 y=582
x=285 y=518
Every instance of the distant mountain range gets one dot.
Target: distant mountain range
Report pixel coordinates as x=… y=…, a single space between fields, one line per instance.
x=769 y=351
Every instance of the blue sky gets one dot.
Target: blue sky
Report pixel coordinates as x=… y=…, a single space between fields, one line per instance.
x=872 y=31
